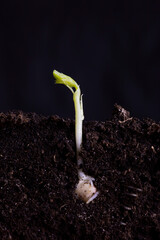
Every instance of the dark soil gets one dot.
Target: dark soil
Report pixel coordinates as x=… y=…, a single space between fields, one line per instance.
x=38 y=176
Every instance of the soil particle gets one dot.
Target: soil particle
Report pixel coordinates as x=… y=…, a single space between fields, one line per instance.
x=38 y=176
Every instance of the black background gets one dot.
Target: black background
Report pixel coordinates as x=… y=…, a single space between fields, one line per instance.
x=111 y=48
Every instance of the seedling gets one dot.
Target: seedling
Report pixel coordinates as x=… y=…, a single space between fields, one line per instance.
x=85 y=188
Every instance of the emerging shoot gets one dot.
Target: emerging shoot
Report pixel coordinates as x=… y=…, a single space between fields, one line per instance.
x=85 y=188
x=78 y=104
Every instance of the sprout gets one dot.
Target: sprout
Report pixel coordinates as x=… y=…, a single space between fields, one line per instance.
x=85 y=188
x=78 y=104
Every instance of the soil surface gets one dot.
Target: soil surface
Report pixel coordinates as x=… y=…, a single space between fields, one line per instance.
x=38 y=176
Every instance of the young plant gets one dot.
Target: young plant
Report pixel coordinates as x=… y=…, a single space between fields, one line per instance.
x=85 y=188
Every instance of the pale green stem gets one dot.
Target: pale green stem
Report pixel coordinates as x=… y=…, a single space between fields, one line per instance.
x=77 y=98
x=78 y=104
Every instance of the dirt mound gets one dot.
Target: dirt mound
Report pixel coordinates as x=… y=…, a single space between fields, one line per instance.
x=38 y=176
